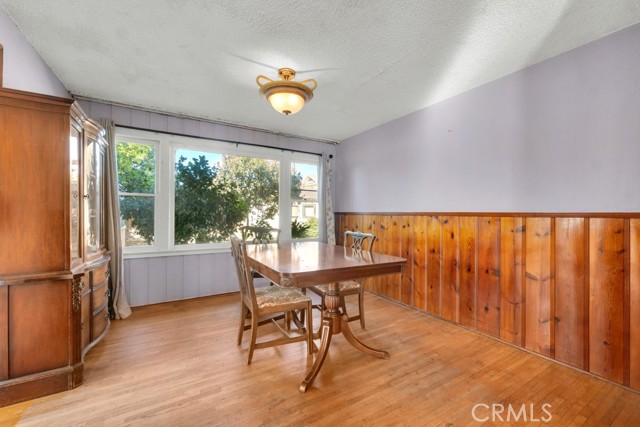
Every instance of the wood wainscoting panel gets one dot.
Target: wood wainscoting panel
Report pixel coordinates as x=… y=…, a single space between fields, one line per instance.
x=488 y=294
x=419 y=266
x=434 y=264
x=467 y=249
x=566 y=286
x=571 y=319
x=606 y=307
x=538 y=310
x=390 y=242
x=634 y=303
x=511 y=280
x=450 y=288
x=405 y=224
x=370 y=224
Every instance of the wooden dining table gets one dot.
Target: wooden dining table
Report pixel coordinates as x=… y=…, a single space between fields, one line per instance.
x=305 y=264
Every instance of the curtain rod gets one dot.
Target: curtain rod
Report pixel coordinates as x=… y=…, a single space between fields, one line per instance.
x=221 y=140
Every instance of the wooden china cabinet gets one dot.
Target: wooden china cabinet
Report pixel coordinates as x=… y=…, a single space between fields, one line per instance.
x=54 y=268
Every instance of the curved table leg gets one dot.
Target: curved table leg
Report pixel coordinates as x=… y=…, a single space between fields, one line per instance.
x=346 y=331
x=326 y=331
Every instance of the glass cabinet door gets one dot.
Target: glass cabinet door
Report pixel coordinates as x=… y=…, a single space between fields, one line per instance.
x=93 y=196
x=74 y=172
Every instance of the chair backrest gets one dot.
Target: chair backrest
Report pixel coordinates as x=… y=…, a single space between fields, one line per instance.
x=359 y=240
x=260 y=234
x=239 y=252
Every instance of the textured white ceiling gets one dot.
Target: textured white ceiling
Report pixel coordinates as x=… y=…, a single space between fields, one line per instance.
x=374 y=60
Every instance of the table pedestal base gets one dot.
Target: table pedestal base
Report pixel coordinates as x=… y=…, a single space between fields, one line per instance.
x=335 y=322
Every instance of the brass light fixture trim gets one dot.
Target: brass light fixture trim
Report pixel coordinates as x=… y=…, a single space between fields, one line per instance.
x=286 y=95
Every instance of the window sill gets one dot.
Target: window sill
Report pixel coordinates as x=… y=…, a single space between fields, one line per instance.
x=200 y=251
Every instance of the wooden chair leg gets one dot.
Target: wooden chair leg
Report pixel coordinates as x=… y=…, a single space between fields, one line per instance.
x=243 y=316
x=361 y=307
x=254 y=334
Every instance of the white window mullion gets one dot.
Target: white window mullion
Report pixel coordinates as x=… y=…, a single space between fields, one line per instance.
x=164 y=211
x=284 y=199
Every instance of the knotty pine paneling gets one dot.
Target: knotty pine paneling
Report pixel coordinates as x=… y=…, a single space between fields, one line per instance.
x=369 y=224
x=390 y=242
x=406 y=251
x=538 y=302
x=450 y=291
x=467 y=229
x=419 y=266
x=565 y=286
x=511 y=280
x=434 y=264
x=394 y=239
x=338 y=229
x=571 y=299
x=606 y=307
x=488 y=291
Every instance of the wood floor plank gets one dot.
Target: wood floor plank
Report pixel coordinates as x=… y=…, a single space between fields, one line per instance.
x=176 y=364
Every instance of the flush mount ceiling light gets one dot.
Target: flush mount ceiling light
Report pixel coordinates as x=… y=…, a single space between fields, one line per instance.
x=285 y=95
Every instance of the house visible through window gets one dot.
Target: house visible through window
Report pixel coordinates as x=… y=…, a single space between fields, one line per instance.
x=304 y=200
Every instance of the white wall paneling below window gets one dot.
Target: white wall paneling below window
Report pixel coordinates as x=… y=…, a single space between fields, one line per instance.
x=172 y=278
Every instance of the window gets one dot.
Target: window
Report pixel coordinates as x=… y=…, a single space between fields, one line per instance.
x=210 y=189
x=215 y=194
x=304 y=200
x=137 y=187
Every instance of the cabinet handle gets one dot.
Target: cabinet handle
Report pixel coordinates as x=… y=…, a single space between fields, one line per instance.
x=107 y=273
x=86 y=196
x=107 y=293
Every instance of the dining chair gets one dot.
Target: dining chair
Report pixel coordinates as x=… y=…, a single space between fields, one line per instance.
x=257 y=234
x=360 y=243
x=261 y=306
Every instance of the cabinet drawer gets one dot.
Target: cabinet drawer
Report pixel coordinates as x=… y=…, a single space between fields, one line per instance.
x=100 y=296
x=100 y=322
x=100 y=274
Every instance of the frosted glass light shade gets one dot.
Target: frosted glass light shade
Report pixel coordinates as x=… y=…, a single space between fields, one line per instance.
x=286 y=102
x=286 y=96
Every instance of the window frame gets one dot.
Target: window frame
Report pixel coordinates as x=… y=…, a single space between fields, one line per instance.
x=301 y=205
x=164 y=208
x=144 y=140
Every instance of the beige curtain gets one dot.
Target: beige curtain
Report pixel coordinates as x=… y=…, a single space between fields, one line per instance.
x=327 y=230
x=119 y=303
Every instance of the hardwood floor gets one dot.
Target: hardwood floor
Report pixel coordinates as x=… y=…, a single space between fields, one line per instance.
x=177 y=364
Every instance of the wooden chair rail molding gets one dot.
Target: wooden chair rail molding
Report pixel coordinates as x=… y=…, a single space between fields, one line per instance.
x=566 y=286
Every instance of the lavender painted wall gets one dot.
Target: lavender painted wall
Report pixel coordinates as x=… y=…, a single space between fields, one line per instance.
x=24 y=69
x=560 y=136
